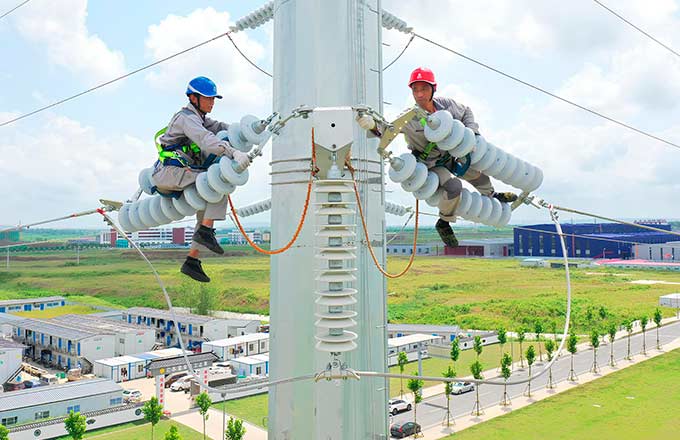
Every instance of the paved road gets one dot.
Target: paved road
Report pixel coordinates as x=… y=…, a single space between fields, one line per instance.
x=432 y=411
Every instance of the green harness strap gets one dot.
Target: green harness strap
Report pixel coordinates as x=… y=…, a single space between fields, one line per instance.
x=429 y=147
x=170 y=152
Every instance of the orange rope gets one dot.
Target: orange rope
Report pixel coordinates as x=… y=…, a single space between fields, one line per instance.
x=302 y=218
x=368 y=240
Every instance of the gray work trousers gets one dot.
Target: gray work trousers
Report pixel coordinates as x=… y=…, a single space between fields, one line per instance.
x=451 y=198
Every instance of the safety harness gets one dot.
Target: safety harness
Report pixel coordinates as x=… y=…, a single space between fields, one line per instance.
x=457 y=168
x=169 y=156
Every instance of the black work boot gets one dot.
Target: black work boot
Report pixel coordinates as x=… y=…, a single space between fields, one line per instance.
x=446 y=233
x=505 y=197
x=206 y=236
x=192 y=268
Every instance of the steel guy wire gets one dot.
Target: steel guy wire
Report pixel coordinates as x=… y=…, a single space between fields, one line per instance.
x=246 y=57
x=13 y=9
x=400 y=53
x=546 y=92
x=637 y=28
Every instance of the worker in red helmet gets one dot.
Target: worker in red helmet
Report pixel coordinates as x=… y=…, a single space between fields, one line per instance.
x=423 y=85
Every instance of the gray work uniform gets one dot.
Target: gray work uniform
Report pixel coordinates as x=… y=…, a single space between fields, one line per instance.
x=417 y=143
x=187 y=126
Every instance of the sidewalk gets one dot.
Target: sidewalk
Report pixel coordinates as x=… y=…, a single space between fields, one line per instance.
x=494 y=411
x=213 y=426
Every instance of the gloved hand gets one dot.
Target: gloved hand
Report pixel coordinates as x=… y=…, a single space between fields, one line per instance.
x=366 y=122
x=241 y=159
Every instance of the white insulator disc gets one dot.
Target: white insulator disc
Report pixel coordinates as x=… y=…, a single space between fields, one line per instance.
x=498 y=164
x=417 y=180
x=464 y=204
x=518 y=174
x=480 y=149
x=536 y=182
x=169 y=209
x=488 y=159
x=505 y=217
x=124 y=218
x=496 y=212
x=444 y=123
x=207 y=192
x=229 y=174
x=222 y=135
x=528 y=177
x=183 y=206
x=476 y=205
x=157 y=212
x=435 y=198
x=145 y=180
x=144 y=212
x=215 y=180
x=466 y=145
x=236 y=138
x=246 y=126
x=485 y=213
x=135 y=221
x=429 y=187
x=408 y=167
x=194 y=199
x=454 y=138
x=508 y=170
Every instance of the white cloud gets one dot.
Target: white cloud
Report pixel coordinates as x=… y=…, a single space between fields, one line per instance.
x=61 y=27
x=241 y=85
x=67 y=167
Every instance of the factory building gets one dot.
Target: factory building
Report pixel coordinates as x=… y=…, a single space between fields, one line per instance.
x=128 y=339
x=488 y=247
x=7 y=323
x=664 y=252
x=588 y=240
x=246 y=345
x=180 y=236
x=30 y=304
x=41 y=403
x=447 y=332
x=63 y=346
x=195 y=329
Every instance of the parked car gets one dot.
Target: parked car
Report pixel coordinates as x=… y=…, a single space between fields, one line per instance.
x=398 y=405
x=172 y=378
x=132 y=395
x=462 y=387
x=401 y=430
x=182 y=384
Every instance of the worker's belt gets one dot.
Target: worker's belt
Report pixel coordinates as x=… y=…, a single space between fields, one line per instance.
x=182 y=163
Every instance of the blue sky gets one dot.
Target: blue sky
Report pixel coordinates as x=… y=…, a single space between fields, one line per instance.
x=66 y=158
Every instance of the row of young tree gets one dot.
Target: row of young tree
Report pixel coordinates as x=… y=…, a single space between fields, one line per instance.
x=76 y=423
x=550 y=346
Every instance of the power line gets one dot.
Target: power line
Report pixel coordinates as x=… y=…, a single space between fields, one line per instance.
x=544 y=91
x=248 y=59
x=13 y=9
x=646 y=34
x=155 y=63
x=400 y=53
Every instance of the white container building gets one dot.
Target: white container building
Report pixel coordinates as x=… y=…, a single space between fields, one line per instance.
x=257 y=365
x=124 y=368
x=36 y=404
x=11 y=355
x=246 y=345
x=30 y=304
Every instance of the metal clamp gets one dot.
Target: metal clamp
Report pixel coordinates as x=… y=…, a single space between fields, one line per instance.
x=336 y=370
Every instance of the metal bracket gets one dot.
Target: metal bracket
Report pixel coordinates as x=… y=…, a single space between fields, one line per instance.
x=336 y=369
x=393 y=130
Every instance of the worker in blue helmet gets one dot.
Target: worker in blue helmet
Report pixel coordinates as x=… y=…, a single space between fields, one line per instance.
x=186 y=148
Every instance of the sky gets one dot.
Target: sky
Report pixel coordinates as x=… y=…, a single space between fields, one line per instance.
x=65 y=159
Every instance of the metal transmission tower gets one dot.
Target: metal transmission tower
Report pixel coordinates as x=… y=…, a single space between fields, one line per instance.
x=326 y=54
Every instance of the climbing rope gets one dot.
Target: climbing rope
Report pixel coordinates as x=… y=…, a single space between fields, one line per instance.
x=368 y=240
x=312 y=172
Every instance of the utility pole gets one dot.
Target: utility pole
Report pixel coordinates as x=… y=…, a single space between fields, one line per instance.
x=326 y=54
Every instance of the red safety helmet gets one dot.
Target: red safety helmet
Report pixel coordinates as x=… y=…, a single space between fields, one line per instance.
x=423 y=74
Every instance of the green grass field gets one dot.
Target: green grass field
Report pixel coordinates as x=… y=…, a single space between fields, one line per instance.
x=473 y=293
x=253 y=409
x=638 y=402
x=140 y=431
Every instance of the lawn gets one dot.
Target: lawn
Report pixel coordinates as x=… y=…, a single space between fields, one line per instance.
x=470 y=292
x=253 y=409
x=638 y=402
x=77 y=309
x=140 y=430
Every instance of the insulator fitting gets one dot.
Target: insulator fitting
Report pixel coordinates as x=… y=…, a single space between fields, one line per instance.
x=389 y=21
x=255 y=208
x=394 y=209
x=254 y=19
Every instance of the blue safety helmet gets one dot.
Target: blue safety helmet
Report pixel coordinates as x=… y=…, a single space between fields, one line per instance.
x=203 y=86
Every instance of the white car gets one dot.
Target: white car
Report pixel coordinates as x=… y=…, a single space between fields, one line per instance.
x=183 y=384
x=398 y=405
x=132 y=395
x=462 y=387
